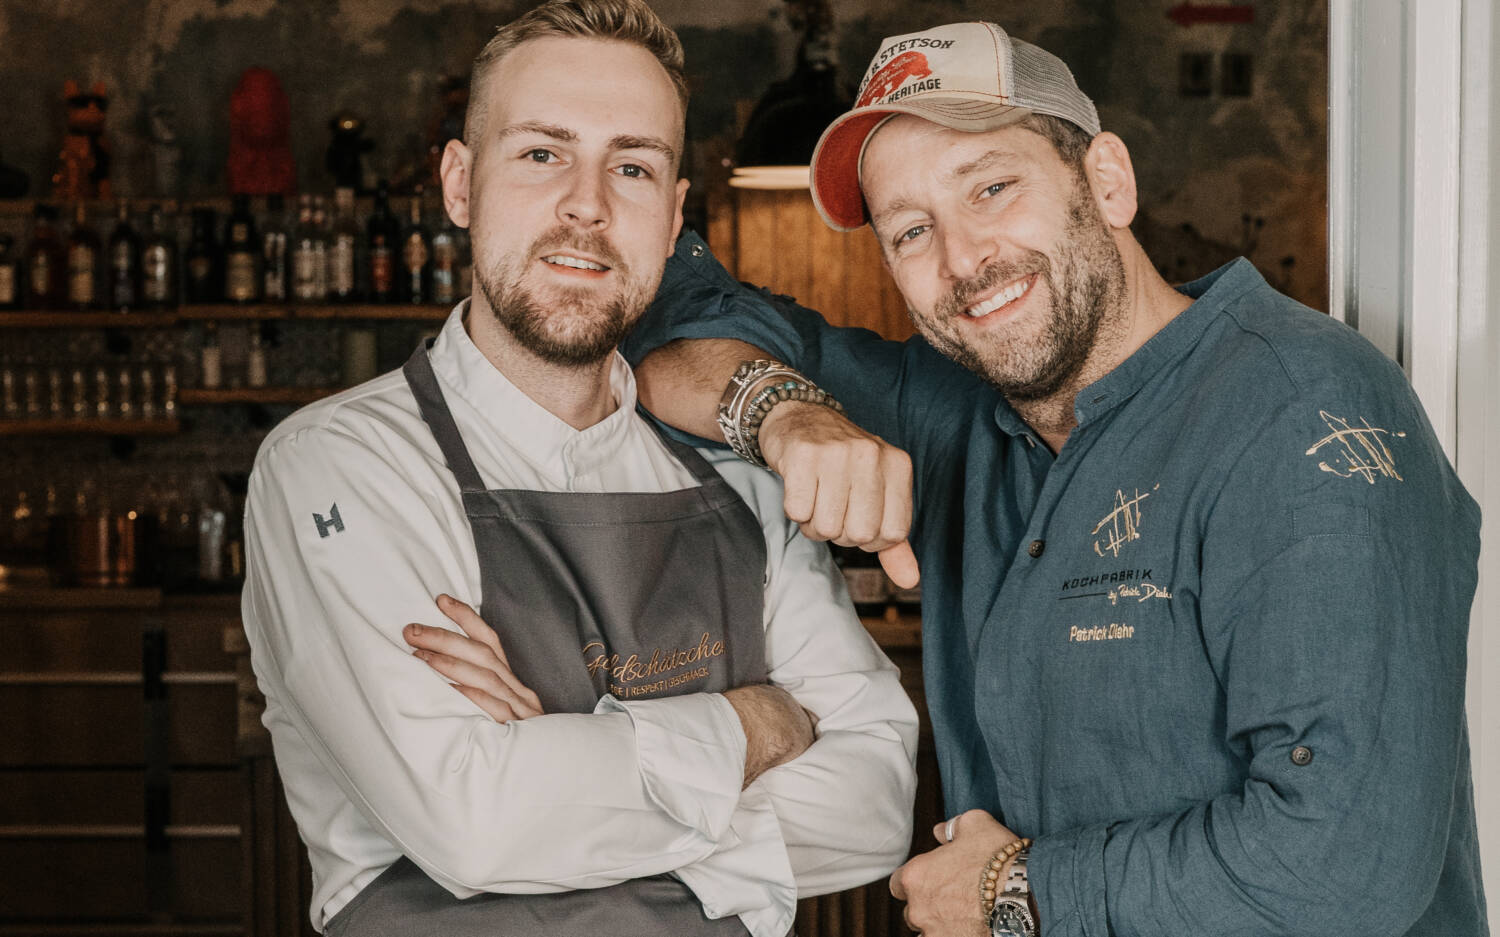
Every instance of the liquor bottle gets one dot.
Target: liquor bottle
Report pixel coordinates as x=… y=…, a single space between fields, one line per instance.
x=83 y=261
x=343 y=249
x=211 y=358
x=445 y=265
x=124 y=262
x=10 y=273
x=273 y=253
x=304 y=247
x=203 y=261
x=383 y=233
x=159 y=262
x=320 y=249
x=45 y=262
x=241 y=254
x=255 y=361
x=416 y=257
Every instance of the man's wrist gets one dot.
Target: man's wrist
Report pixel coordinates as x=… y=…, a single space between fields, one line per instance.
x=754 y=392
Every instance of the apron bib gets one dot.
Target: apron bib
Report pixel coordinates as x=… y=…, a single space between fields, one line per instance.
x=639 y=595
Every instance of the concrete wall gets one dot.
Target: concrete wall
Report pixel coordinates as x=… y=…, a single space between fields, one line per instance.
x=1219 y=175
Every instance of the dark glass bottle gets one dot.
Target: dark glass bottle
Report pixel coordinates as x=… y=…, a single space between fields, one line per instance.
x=159 y=262
x=10 y=273
x=383 y=233
x=416 y=257
x=124 y=262
x=273 y=255
x=241 y=254
x=202 y=262
x=46 y=264
x=84 y=252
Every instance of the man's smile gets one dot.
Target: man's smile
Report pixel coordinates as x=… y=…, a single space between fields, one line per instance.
x=1001 y=298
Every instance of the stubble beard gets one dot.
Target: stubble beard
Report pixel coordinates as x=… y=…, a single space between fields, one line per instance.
x=569 y=327
x=1089 y=290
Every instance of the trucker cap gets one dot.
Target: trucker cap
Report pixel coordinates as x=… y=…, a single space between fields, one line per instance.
x=966 y=76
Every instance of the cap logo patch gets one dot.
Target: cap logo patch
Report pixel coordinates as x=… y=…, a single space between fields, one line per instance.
x=893 y=75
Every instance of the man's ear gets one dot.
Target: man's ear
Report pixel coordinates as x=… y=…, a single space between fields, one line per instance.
x=1112 y=179
x=682 y=187
x=455 y=169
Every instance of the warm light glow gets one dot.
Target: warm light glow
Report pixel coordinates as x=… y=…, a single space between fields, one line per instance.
x=772 y=177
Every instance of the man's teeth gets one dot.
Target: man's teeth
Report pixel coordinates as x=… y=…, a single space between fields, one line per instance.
x=565 y=261
x=1010 y=294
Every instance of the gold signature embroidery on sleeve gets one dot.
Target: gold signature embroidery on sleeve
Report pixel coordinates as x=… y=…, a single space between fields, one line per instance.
x=1123 y=523
x=1357 y=450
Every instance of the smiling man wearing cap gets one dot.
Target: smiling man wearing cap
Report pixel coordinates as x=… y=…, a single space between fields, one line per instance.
x=1196 y=572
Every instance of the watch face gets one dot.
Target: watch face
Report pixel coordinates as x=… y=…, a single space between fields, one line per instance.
x=1011 y=918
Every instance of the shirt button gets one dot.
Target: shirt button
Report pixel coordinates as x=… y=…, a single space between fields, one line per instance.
x=696 y=250
x=1036 y=548
x=1302 y=756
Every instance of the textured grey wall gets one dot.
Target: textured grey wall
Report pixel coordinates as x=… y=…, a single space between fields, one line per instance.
x=1206 y=164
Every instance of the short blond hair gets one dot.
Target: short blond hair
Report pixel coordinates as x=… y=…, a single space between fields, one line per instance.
x=619 y=20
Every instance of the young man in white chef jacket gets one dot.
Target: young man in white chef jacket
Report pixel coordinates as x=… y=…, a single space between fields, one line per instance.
x=669 y=718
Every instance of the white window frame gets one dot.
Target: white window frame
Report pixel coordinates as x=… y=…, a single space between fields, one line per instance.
x=1414 y=231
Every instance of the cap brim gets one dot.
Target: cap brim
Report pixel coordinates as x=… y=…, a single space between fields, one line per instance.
x=835 y=163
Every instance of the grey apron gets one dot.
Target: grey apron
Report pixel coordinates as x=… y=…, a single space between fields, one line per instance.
x=638 y=594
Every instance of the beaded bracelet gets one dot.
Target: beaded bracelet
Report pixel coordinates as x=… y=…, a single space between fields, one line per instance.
x=989 y=881
x=741 y=413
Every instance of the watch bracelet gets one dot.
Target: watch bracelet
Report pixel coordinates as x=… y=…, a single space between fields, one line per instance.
x=989 y=878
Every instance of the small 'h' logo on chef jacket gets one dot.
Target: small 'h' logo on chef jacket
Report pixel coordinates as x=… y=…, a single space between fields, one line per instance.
x=332 y=522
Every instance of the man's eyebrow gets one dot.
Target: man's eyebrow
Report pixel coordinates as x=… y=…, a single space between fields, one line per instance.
x=555 y=131
x=980 y=164
x=894 y=208
x=627 y=141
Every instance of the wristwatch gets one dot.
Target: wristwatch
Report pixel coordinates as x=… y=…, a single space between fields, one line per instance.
x=1011 y=916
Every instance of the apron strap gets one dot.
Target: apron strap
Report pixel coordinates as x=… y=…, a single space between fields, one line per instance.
x=434 y=410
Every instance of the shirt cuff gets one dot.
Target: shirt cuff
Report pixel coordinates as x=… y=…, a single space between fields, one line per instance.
x=1067 y=876
x=750 y=875
x=692 y=756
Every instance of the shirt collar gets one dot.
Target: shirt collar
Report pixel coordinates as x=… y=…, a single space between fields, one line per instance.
x=531 y=430
x=1210 y=294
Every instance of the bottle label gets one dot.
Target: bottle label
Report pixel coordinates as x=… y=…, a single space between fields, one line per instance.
x=7 y=284
x=414 y=254
x=81 y=274
x=341 y=275
x=443 y=283
x=275 y=277
x=239 y=233
x=239 y=277
x=305 y=273
x=382 y=270
x=156 y=280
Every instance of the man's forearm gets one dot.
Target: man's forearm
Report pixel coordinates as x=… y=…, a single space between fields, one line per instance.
x=681 y=382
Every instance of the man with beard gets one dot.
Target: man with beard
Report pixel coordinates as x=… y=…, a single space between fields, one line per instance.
x=668 y=719
x=1196 y=573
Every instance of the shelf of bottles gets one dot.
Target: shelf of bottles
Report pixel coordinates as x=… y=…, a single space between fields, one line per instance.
x=321 y=261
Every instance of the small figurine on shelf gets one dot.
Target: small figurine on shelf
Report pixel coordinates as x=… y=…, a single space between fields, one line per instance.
x=83 y=165
x=166 y=152
x=346 y=152
x=260 y=147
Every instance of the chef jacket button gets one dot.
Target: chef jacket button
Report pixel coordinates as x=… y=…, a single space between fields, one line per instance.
x=1302 y=756
x=1036 y=548
x=696 y=250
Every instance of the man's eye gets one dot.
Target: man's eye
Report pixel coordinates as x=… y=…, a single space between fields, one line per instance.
x=994 y=189
x=911 y=234
x=634 y=171
x=539 y=155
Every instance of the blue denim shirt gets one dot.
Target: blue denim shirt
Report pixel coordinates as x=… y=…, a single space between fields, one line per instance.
x=1211 y=656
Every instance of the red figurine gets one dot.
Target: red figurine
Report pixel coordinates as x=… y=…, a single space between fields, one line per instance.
x=260 y=147
x=83 y=165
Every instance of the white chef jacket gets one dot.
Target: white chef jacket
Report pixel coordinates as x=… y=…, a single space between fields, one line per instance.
x=352 y=526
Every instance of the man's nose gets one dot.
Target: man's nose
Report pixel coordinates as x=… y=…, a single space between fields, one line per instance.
x=966 y=251
x=585 y=203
